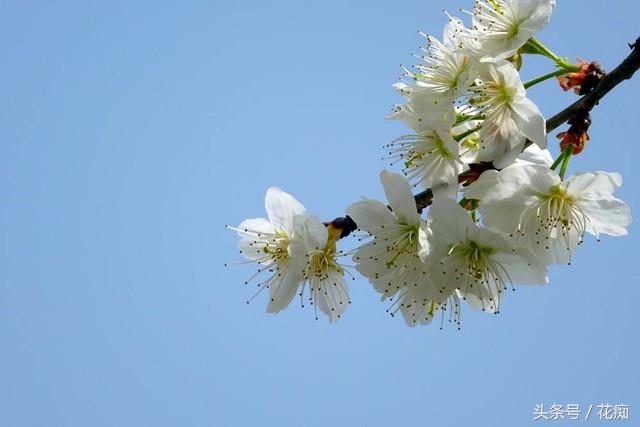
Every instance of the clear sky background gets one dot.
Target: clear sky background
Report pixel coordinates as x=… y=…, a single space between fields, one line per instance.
x=131 y=132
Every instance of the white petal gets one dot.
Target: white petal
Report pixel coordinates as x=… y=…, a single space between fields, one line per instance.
x=252 y=232
x=490 y=239
x=282 y=208
x=448 y=221
x=522 y=268
x=537 y=178
x=538 y=12
x=535 y=155
x=593 y=185
x=249 y=227
x=425 y=110
x=282 y=291
x=370 y=214
x=558 y=250
x=450 y=32
x=444 y=191
x=424 y=237
x=311 y=232
x=482 y=186
x=508 y=74
x=473 y=301
x=500 y=144
x=332 y=296
x=415 y=310
x=399 y=195
x=607 y=216
x=530 y=121
x=504 y=214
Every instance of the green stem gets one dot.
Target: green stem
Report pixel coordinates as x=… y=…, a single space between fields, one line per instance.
x=465 y=134
x=544 y=77
x=534 y=45
x=565 y=161
x=558 y=161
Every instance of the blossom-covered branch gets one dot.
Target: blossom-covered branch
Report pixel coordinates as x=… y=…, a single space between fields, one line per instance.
x=501 y=210
x=624 y=71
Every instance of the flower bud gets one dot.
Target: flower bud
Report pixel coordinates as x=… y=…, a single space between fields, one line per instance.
x=584 y=80
x=340 y=227
x=576 y=136
x=576 y=141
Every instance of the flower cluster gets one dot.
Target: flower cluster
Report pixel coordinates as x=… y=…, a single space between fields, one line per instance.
x=499 y=224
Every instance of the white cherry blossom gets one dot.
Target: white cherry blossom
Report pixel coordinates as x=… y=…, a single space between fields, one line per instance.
x=430 y=158
x=324 y=274
x=466 y=104
x=443 y=75
x=510 y=117
x=501 y=27
x=268 y=243
x=478 y=263
x=551 y=215
x=389 y=257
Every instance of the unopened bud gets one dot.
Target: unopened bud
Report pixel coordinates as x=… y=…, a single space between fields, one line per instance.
x=341 y=227
x=576 y=136
x=584 y=80
x=576 y=141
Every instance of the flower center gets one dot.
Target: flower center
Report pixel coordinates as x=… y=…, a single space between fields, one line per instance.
x=277 y=247
x=406 y=244
x=472 y=269
x=473 y=251
x=505 y=93
x=323 y=262
x=554 y=215
x=514 y=29
x=442 y=68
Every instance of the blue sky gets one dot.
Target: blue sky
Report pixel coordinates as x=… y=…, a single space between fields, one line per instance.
x=131 y=132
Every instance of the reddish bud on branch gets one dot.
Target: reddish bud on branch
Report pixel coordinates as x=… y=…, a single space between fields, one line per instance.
x=584 y=80
x=576 y=136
